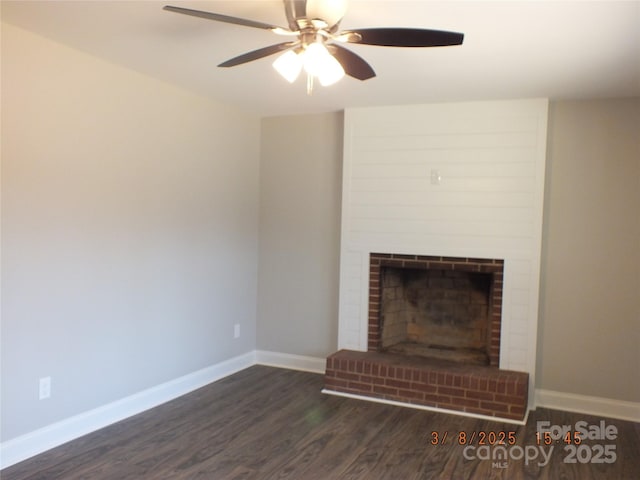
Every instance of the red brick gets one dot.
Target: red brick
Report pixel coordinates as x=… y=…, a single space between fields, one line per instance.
x=397 y=383
x=509 y=399
x=495 y=407
x=361 y=387
x=501 y=388
x=411 y=394
x=424 y=387
x=405 y=383
x=334 y=382
x=454 y=259
x=416 y=264
x=348 y=376
x=330 y=372
x=466 y=402
x=403 y=256
x=385 y=390
x=366 y=378
x=437 y=398
x=387 y=262
x=517 y=411
x=431 y=399
x=479 y=395
x=474 y=383
x=457 y=392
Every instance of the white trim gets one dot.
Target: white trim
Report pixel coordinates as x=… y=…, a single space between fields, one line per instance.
x=38 y=441
x=290 y=361
x=430 y=409
x=605 y=407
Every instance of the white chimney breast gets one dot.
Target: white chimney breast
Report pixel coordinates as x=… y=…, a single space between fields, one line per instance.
x=456 y=180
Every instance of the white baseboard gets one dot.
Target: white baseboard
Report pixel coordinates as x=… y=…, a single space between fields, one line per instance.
x=292 y=362
x=603 y=407
x=38 y=441
x=427 y=408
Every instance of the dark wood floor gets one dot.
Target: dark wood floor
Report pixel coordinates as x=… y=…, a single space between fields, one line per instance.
x=269 y=423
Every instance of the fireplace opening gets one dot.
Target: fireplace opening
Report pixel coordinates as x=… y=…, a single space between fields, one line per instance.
x=443 y=308
x=436 y=313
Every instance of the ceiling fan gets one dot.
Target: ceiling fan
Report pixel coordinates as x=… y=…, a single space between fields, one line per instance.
x=316 y=44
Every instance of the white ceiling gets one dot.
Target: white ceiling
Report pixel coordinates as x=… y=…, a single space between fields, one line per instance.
x=512 y=49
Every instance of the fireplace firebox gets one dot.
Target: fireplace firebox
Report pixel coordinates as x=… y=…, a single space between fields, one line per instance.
x=446 y=308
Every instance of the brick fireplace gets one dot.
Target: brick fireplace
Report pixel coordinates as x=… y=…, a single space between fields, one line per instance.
x=434 y=328
x=423 y=184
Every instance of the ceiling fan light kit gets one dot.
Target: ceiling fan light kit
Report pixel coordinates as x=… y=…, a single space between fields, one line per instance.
x=289 y=65
x=317 y=48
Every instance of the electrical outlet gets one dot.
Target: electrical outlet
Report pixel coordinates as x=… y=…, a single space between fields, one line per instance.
x=44 y=388
x=236 y=330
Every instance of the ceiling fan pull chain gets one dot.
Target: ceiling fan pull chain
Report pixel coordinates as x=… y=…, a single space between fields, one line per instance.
x=309 y=84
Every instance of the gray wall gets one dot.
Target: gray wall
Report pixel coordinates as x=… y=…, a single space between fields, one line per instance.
x=129 y=231
x=300 y=197
x=589 y=334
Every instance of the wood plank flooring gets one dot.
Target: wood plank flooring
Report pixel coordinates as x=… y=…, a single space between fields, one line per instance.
x=270 y=423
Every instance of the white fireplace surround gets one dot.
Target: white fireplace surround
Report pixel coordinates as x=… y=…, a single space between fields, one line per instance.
x=454 y=180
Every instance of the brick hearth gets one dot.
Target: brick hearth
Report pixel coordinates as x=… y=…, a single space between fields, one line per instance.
x=466 y=388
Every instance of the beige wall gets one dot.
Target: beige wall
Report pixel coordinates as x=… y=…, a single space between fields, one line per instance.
x=589 y=333
x=129 y=231
x=300 y=191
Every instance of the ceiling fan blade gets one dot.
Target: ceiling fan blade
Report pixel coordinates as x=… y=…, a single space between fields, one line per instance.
x=256 y=54
x=408 y=37
x=221 y=18
x=353 y=65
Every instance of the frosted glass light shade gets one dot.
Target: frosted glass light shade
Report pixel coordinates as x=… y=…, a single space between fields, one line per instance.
x=333 y=72
x=331 y=11
x=289 y=65
x=318 y=62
